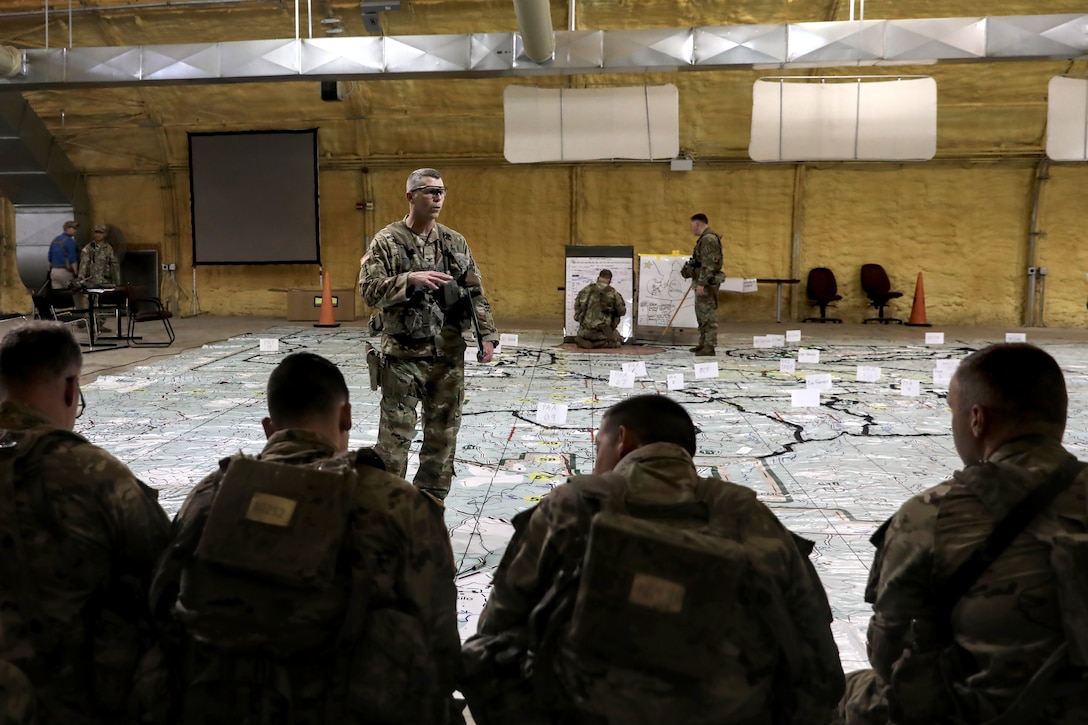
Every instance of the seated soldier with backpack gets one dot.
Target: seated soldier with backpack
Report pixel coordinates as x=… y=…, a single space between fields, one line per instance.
x=307 y=585
x=644 y=594
x=80 y=536
x=598 y=310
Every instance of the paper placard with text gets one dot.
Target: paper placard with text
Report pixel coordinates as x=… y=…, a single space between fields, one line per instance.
x=621 y=379
x=806 y=398
x=868 y=374
x=551 y=413
x=675 y=381
x=934 y=338
x=638 y=369
x=910 y=387
x=821 y=381
x=1016 y=337
x=787 y=365
x=270 y=344
x=706 y=370
x=807 y=355
x=793 y=336
x=507 y=339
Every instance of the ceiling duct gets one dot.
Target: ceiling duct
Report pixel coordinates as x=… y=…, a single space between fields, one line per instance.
x=728 y=47
x=11 y=61
x=535 y=24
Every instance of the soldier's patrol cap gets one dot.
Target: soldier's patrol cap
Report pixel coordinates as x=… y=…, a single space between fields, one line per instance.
x=70 y=223
x=99 y=228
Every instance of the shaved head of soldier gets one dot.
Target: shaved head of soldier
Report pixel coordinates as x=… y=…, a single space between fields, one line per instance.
x=640 y=421
x=1002 y=393
x=308 y=392
x=40 y=363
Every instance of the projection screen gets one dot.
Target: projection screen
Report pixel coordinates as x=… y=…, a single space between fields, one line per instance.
x=254 y=197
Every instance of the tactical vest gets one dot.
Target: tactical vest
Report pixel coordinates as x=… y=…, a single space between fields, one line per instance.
x=421 y=317
x=277 y=596
x=661 y=596
x=599 y=308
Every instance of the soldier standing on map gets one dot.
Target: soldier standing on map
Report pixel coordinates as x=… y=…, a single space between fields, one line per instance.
x=598 y=310
x=1003 y=637
x=640 y=632
x=704 y=269
x=422 y=278
x=98 y=266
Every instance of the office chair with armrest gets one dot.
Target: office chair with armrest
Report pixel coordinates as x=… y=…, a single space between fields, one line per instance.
x=874 y=280
x=142 y=308
x=822 y=291
x=59 y=306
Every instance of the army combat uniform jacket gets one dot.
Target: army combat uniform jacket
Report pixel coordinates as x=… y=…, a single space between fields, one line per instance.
x=410 y=570
x=707 y=260
x=91 y=533
x=1009 y=622
x=663 y=473
x=98 y=266
x=413 y=323
x=598 y=308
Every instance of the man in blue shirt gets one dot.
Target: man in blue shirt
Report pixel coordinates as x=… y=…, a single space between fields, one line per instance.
x=64 y=257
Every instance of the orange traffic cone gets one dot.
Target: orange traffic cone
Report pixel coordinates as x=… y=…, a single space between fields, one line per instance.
x=327 y=318
x=918 y=311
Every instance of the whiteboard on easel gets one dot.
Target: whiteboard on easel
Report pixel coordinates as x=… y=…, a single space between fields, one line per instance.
x=661 y=289
x=584 y=263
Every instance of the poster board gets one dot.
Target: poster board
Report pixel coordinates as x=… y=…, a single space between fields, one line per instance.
x=661 y=290
x=583 y=265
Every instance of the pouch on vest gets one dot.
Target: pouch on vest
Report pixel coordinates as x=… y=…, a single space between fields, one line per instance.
x=668 y=601
x=264 y=573
x=1069 y=557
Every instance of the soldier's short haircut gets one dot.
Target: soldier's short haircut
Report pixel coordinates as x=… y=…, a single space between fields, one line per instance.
x=304 y=384
x=1016 y=381
x=654 y=419
x=416 y=177
x=607 y=274
x=38 y=352
x=700 y=218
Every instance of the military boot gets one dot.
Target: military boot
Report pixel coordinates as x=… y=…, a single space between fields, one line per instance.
x=705 y=352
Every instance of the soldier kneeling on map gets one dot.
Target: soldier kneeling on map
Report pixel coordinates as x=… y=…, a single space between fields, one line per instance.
x=598 y=309
x=644 y=594
x=307 y=585
x=979 y=585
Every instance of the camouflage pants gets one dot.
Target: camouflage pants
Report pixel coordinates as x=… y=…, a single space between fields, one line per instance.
x=438 y=383
x=706 y=313
x=590 y=339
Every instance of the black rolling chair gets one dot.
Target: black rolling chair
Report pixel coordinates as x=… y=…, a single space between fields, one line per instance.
x=822 y=291
x=874 y=280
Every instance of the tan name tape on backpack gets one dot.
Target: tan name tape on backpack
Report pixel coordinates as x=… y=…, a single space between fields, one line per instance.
x=265 y=508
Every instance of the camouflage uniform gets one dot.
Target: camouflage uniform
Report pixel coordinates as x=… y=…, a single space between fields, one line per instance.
x=663 y=473
x=409 y=567
x=708 y=274
x=98 y=266
x=16 y=696
x=423 y=348
x=1004 y=628
x=598 y=310
x=91 y=533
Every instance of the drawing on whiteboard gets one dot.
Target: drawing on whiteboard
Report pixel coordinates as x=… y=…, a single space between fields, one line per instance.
x=661 y=289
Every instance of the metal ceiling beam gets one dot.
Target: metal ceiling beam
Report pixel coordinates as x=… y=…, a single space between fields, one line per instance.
x=821 y=44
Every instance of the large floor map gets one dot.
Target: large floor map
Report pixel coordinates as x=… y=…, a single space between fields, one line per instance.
x=832 y=472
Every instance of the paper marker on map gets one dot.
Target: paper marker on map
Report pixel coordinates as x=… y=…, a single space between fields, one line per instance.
x=638 y=369
x=777 y=340
x=745 y=450
x=793 y=336
x=910 y=387
x=787 y=365
x=762 y=342
x=551 y=413
x=270 y=344
x=508 y=339
x=675 y=381
x=620 y=379
x=934 y=338
x=818 y=382
x=807 y=355
x=706 y=370
x=868 y=374
x=1016 y=337
x=806 y=398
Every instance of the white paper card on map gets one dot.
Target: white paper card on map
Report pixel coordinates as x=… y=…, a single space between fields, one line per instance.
x=821 y=381
x=744 y=451
x=706 y=370
x=551 y=413
x=807 y=355
x=868 y=374
x=793 y=336
x=762 y=341
x=638 y=369
x=470 y=353
x=1016 y=337
x=787 y=365
x=941 y=379
x=621 y=379
x=910 y=387
x=805 y=398
x=508 y=339
x=270 y=344
x=946 y=366
x=675 y=381
x=934 y=338
x=777 y=340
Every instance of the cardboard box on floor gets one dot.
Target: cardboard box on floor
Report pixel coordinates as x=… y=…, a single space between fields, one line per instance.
x=304 y=305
